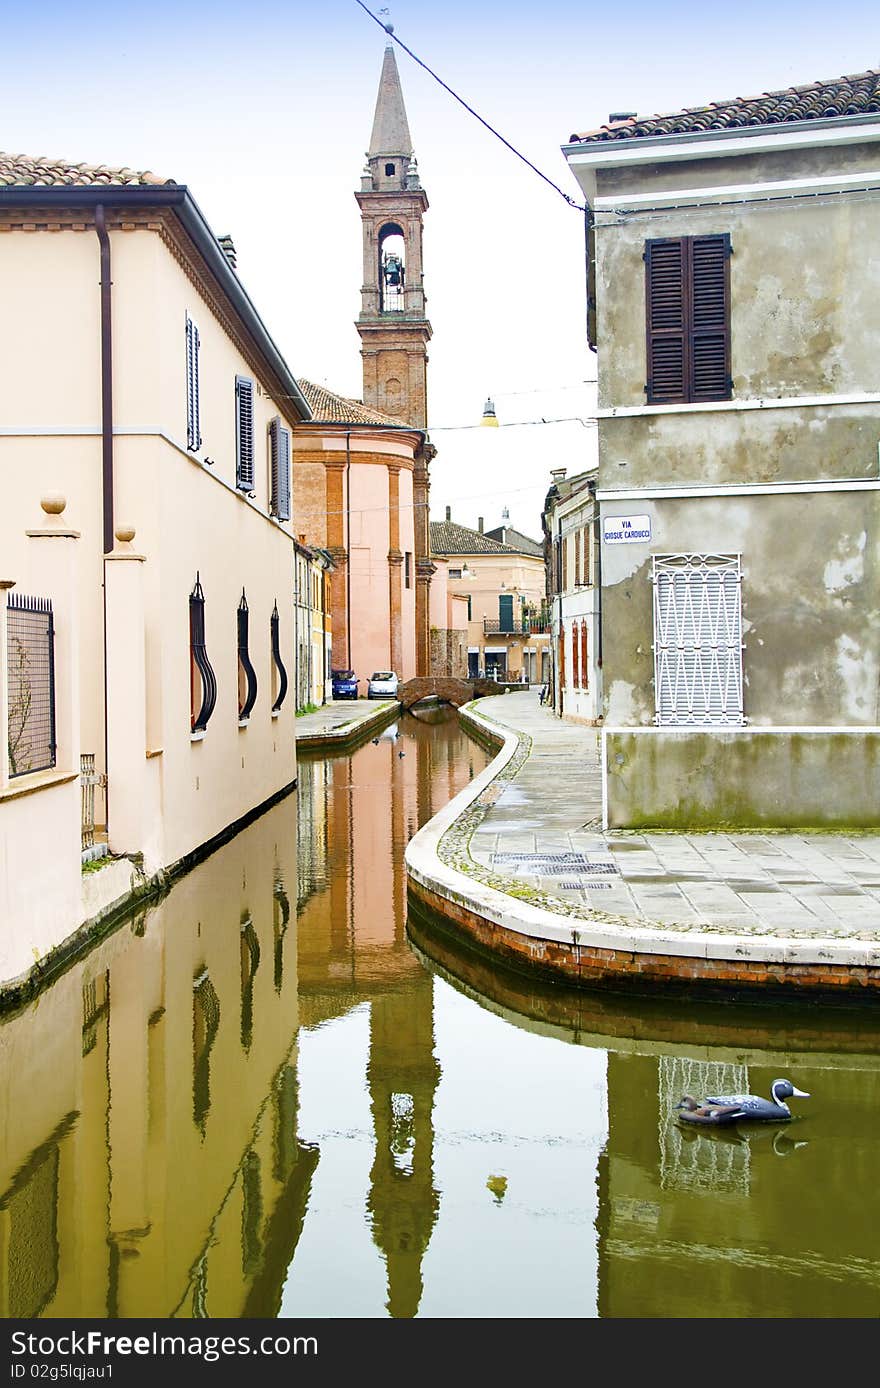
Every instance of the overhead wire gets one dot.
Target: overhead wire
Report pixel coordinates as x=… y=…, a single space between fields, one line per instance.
x=389 y=30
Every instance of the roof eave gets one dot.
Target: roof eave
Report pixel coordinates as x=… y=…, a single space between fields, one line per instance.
x=180 y=200
x=623 y=150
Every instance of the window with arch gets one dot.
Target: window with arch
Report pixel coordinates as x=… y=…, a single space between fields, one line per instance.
x=392 y=268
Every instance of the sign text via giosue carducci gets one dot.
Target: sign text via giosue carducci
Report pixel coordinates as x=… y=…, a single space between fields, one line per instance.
x=620 y=530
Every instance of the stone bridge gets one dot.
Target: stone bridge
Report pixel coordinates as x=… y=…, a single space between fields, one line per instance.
x=448 y=691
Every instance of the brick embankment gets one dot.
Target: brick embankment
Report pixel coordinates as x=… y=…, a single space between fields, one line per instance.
x=536 y=805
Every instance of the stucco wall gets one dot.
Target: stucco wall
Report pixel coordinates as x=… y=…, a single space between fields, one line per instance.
x=810 y=603
x=803 y=282
x=187 y=515
x=676 y=778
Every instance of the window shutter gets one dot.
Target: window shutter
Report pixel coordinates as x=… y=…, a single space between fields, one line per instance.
x=279 y=470
x=244 y=434
x=274 y=429
x=665 y=271
x=193 y=422
x=710 y=318
x=283 y=510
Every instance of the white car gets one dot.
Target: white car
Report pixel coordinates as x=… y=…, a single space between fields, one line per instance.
x=382 y=685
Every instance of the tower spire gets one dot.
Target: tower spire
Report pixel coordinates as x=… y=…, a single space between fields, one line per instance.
x=390 y=134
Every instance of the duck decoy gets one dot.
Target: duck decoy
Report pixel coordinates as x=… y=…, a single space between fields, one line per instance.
x=721 y=1109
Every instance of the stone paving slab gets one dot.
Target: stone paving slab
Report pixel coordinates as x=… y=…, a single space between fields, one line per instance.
x=810 y=885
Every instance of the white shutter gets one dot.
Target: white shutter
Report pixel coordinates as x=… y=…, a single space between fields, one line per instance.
x=698 y=639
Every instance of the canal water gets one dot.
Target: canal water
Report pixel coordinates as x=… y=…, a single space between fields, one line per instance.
x=271 y=1094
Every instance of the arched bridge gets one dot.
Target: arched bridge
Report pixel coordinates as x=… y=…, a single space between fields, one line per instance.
x=449 y=691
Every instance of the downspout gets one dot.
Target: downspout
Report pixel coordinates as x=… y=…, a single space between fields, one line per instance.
x=561 y=636
x=348 y=546
x=106 y=458
x=106 y=380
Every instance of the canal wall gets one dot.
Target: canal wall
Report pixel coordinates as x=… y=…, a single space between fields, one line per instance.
x=540 y=934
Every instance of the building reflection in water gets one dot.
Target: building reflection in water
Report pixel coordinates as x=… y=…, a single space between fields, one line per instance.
x=353 y=949
x=150 y=1164
x=761 y=1220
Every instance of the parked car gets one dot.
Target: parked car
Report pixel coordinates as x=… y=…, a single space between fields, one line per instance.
x=382 y=685
x=345 y=684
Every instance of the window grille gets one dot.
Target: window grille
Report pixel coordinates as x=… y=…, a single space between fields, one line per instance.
x=585 y=680
x=203 y=682
x=698 y=639
x=244 y=434
x=274 y=625
x=247 y=675
x=279 y=470
x=30 y=655
x=193 y=418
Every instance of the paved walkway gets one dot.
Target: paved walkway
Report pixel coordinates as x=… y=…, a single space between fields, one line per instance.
x=339 y=722
x=544 y=829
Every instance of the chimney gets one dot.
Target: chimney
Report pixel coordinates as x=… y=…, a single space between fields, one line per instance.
x=228 y=248
x=558 y=473
x=621 y=115
x=480 y=524
x=449 y=513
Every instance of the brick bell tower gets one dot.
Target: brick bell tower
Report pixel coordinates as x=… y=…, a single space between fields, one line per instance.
x=393 y=328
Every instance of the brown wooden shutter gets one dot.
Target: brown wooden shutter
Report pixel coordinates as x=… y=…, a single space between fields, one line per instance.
x=665 y=296
x=710 y=318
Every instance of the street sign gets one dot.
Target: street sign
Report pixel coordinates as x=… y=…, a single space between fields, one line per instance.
x=622 y=530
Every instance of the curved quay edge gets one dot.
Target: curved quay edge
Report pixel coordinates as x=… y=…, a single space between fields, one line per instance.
x=592 y=948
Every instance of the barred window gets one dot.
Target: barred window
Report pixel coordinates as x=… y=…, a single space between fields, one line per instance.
x=247 y=675
x=698 y=639
x=203 y=682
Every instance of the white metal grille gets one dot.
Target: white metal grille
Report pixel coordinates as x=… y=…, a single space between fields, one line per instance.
x=690 y=1159
x=698 y=639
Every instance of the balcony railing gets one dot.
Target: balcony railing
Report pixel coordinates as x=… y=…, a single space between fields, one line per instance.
x=525 y=626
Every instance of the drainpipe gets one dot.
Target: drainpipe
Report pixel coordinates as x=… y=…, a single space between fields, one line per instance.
x=348 y=545
x=561 y=636
x=106 y=379
x=106 y=456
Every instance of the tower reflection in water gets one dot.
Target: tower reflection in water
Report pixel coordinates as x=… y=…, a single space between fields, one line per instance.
x=150 y=1161
x=353 y=951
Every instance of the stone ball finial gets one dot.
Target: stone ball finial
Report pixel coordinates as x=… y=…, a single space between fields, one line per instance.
x=53 y=503
x=125 y=534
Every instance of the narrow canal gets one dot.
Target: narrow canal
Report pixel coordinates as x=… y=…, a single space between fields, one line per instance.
x=271 y=1095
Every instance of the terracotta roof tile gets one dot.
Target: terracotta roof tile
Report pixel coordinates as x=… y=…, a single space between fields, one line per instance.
x=855 y=95
x=449 y=538
x=328 y=408
x=22 y=170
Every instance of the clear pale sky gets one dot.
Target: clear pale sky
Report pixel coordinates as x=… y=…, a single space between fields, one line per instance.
x=264 y=110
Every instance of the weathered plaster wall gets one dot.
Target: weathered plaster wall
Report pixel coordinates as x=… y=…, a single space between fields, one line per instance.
x=803 y=282
x=735 y=446
x=810 y=602
x=677 y=778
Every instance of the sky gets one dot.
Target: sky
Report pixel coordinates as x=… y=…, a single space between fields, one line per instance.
x=265 y=110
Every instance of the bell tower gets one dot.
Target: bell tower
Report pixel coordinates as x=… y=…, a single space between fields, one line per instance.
x=392 y=325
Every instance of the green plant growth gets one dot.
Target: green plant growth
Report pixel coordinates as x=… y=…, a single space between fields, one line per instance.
x=306 y=708
x=20 y=700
